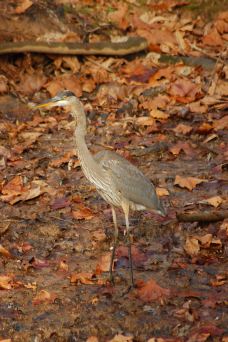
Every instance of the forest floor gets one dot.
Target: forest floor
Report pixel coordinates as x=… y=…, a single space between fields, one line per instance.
x=168 y=119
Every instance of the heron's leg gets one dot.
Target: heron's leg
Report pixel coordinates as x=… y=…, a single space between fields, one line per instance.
x=116 y=232
x=126 y=208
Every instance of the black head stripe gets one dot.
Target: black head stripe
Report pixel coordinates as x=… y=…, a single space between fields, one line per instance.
x=65 y=93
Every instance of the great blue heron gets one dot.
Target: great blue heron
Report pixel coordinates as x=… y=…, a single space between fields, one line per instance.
x=120 y=183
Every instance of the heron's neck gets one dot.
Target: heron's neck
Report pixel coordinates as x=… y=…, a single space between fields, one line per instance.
x=90 y=167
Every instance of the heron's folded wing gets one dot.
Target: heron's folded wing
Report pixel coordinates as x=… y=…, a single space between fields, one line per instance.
x=128 y=179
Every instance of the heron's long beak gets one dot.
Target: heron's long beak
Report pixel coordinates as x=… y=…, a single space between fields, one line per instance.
x=53 y=102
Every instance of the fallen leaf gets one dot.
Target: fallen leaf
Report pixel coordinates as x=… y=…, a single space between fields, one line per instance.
x=204 y=128
x=198 y=107
x=31 y=286
x=63 y=266
x=104 y=263
x=99 y=235
x=215 y=201
x=188 y=182
x=158 y=114
x=151 y=291
x=67 y=81
x=88 y=85
x=120 y=16
x=64 y=159
x=138 y=257
x=145 y=121
x=182 y=146
x=68 y=62
x=82 y=213
x=140 y=73
x=6 y=282
x=182 y=129
x=44 y=297
x=219 y=280
x=121 y=338
x=162 y=192
x=83 y=278
x=31 y=83
x=213 y=38
x=191 y=246
x=5 y=252
x=22 y=6
x=3 y=84
x=184 y=90
x=91 y=339
x=39 y=263
x=60 y=203
x=221 y=123
x=22 y=193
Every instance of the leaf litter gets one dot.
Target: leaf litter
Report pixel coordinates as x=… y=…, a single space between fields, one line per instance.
x=168 y=119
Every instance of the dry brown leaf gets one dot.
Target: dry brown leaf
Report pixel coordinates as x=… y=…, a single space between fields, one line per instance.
x=99 y=235
x=63 y=266
x=162 y=192
x=86 y=278
x=215 y=201
x=3 y=84
x=120 y=16
x=5 y=252
x=104 y=263
x=88 y=85
x=160 y=101
x=31 y=286
x=192 y=246
x=14 y=194
x=69 y=62
x=158 y=114
x=31 y=83
x=91 y=339
x=182 y=146
x=151 y=291
x=204 y=128
x=219 y=280
x=183 y=46
x=213 y=38
x=64 y=159
x=198 y=107
x=205 y=240
x=121 y=338
x=22 y=6
x=184 y=90
x=182 y=129
x=70 y=82
x=188 y=182
x=222 y=88
x=82 y=213
x=145 y=121
x=221 y=123
x=44 y=296
x=6 y=282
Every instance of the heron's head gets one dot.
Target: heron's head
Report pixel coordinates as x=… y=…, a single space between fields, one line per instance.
x=67 y=99
x=62 y=99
